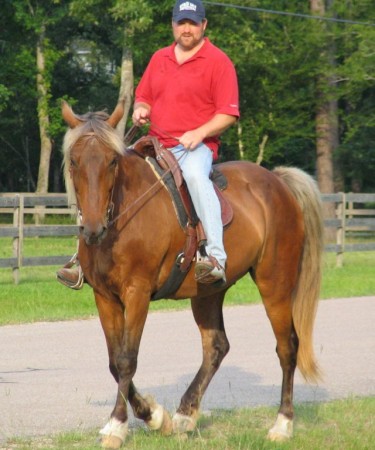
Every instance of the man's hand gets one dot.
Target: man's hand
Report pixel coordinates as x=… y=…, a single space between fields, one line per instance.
x=191 y=139
x=141 y=114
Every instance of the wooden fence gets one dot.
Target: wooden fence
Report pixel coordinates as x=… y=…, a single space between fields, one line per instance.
x=353 y=215
x=20 y=205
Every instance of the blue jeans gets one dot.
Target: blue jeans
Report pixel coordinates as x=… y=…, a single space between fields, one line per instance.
x=196 y=167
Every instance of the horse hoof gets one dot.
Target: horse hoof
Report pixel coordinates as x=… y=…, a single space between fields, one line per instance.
x=167 y=425
x=160 y=420
x=111 y=442
x=282 y=430
x=183 y=424
x=113 y=434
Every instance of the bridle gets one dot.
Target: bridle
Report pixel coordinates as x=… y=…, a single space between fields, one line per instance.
x=111 y=205
x=140 y=201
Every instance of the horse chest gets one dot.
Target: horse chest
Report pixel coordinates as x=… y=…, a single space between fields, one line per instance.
x=98 y=267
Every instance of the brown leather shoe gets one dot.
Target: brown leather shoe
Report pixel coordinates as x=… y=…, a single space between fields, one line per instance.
x=71 y=277
x=208 y=271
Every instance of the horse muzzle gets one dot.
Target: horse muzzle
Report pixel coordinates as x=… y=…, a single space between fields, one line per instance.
x=93 y=235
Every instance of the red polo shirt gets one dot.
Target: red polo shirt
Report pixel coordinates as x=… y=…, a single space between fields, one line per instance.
x=185 y=96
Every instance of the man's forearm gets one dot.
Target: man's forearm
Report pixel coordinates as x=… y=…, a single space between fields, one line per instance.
x=217 y=125
x=214 y=127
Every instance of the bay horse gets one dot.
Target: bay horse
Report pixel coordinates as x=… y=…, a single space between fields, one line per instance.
x=276 y=236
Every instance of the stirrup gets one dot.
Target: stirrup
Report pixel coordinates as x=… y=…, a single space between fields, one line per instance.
x=209 y=271
x=79 y=284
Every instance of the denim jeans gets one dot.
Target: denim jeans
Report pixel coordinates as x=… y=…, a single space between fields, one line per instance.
x=196 y=167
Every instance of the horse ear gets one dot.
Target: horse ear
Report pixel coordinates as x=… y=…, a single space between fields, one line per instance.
x=117 y=114
x=68 y=115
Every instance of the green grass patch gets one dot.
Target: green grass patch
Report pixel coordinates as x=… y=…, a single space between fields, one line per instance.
x=355 y=279
x=39 y=297
x=339 y=425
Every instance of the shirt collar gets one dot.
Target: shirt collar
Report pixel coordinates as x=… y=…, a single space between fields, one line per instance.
x=200 y=54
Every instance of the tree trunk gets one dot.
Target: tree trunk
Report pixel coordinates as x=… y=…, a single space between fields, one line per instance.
x=45 y=141
x=262 y=146
x=240 y=141
x=127 y=86
x=326 y=126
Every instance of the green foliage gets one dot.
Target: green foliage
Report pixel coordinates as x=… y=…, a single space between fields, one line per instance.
x=356 y=86
x=5 y=96
x=278 y=61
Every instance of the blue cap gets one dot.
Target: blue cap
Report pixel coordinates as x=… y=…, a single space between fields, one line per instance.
x=193 y=10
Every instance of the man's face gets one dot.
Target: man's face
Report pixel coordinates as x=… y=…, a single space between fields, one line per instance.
x=188 y=34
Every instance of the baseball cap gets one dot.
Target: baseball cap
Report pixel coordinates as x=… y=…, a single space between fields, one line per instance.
x=193 y=10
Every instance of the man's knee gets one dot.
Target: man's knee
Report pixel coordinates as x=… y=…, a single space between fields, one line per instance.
x=193 y=179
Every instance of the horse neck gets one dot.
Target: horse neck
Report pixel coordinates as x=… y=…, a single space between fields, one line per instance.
x=135 y=184
x=134 y=174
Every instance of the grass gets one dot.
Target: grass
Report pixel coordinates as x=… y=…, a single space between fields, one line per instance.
x=39 y=297
x=339 y=425
x=343 y=425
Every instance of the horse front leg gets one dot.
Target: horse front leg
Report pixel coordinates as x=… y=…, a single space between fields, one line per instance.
x=123 y=330
x=146 y=409
x=208 y=315
x=111 y=314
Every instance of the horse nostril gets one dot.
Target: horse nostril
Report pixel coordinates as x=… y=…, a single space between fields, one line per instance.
x=101 y=234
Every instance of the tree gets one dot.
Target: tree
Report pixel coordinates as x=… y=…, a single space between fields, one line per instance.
x=355 y=80
x=36 y=17
x=326 y=121
x=136 y=17
x=130 y=20
x=94 y=48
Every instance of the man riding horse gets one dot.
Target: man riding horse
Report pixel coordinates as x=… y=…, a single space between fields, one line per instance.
x=189 y=94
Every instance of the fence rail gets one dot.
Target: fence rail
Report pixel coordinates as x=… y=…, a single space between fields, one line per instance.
x=355 y=213
x=18 y=206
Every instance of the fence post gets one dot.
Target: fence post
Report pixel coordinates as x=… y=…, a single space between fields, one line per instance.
x=351 y=206
x=16 y=241
x=21 y=229
x=340 y=233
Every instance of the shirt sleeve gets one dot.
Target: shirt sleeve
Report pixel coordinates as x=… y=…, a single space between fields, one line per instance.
x=143 y=92
x=225 y=88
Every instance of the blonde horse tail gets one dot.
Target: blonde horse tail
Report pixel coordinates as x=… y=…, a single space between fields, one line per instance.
x=306 y=294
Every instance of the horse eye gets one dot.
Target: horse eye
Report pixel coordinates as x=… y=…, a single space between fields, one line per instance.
x=113 y=162
x=73 y=163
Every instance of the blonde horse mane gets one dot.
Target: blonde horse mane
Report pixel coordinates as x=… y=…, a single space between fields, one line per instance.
x=92 y=122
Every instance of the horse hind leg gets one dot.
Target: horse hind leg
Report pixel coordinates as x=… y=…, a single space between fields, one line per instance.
x=209 y=318
x=279 y=311
x=287 y=345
